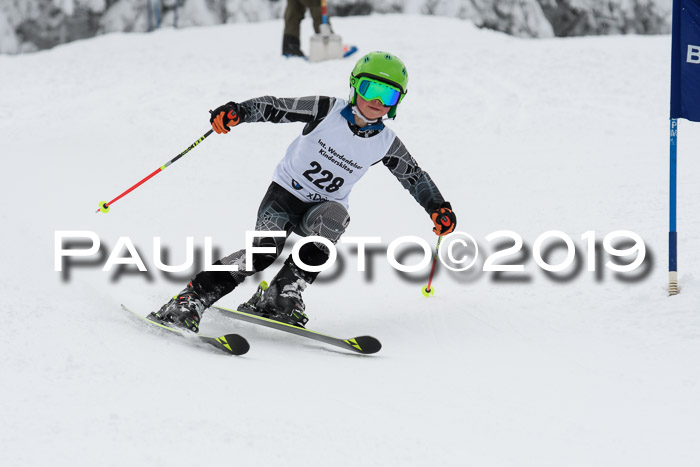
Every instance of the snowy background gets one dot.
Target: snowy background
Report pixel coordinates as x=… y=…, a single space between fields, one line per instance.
x=28 y=25
x=521 y=369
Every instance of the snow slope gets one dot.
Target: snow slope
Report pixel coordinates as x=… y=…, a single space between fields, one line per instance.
x=595 y=369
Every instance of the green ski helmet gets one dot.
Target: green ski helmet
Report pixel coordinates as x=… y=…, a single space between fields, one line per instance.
x=378 y=75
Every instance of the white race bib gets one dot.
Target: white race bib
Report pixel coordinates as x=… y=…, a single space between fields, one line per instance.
x=325 y=164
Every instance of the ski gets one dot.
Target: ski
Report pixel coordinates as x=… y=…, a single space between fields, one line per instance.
x=361 y=344
x=232 y=344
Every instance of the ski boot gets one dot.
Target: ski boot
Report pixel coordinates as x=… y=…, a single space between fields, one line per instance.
x=281 y=300
x=251 y=305
x=183 y=311
x=291 y=47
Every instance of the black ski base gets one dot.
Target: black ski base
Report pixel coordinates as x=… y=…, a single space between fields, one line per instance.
x=231 y=344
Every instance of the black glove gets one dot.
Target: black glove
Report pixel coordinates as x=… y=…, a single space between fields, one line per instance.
x=444 y=219
x=226 y=116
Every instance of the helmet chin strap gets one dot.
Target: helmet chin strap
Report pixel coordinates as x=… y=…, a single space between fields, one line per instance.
x=368 y=121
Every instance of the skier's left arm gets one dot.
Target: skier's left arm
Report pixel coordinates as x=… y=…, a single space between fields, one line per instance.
x=417 y=181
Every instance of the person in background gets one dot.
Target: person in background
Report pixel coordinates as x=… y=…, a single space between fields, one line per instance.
x=293 y=16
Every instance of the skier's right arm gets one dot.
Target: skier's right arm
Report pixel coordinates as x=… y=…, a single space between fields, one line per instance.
x=271 y=109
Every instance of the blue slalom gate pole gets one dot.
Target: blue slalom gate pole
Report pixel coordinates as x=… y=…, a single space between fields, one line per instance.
x=672 y=234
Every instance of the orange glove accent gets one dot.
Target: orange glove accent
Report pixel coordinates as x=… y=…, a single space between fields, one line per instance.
x=226 y=116
x=445 y=221
x=218 y=124
x=233 y=118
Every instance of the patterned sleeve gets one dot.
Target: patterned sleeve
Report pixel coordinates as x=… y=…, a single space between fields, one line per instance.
x=286 y=110
x=405 y=168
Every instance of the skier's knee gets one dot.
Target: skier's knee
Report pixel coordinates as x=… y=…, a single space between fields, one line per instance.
x=329 y=220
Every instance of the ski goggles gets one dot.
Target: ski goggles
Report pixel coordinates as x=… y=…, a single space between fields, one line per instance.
x=370 y=89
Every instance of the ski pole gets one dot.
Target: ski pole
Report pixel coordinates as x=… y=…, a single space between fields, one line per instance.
x=428 y=290
x=104 y=206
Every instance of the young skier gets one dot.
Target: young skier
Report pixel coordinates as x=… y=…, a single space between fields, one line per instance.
x=311 y=185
